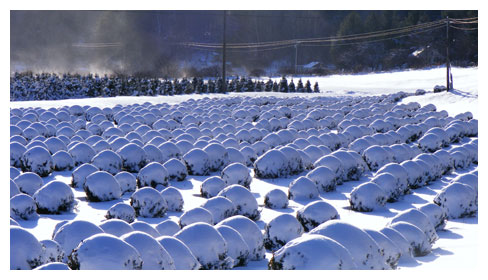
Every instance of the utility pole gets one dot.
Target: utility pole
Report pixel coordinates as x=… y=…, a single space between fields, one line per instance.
x=224 y=79
x=296 y=58
x=448 y=63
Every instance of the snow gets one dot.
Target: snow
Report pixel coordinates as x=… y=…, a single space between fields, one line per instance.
x=182 y=256
x=152 y=175
x=419 y=242
x=237 y=248
x=276 y=199
x=280 y=230
x=236 y=173
x=101 y=186
x=174 y=199
x=28 y=182
x=315 y=213
x=72 y=233
x=23 y=206
x=148 y=202
x=25 y=249
x=243 y=199
x=153 y=255
x=54 y=197
x=116 y=227
x=197 y=214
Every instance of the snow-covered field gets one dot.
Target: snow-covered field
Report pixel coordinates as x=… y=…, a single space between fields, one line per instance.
x=349 y=147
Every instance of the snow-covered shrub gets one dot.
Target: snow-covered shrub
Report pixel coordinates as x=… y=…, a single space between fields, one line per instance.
x=107 y=160
x=376 y=156
x=212 y=186
x=104 y=251
x=276 y=199
x=127 y=181
x=249 y=154
x=353 y=166
x=418 y=219
x=152 y=175
x=79 y=175
x=436 y=215
x=173 y=198
x=62 y=161
x=22 y=206
x=38 y=160
x=53 y=266
x=51 y=251
x=16 y=152
x=220 y=207
x=430 y=143
x=197 y=162
x=176 y=169
x=101 y=186
x=280 y=230
x=81 y=153
x=236 y=173
x=391 y=252
x=153 y=254
x=148 y=202
x=54 y=197
x=182 y=256
x=367 y=197
x=71 y=233
x=167 y=228
x=14 y=172
x=294 y=163
x=468 y=179
x=323 y=177
x=302 y=188
x=207 y=245
x=243 y=200
x=251 y=233
x=458 y=200
x=116 y=227
x=169 y=150
x=312 y=251
x=133 y=157
x=334 y=164
x=364 y=250
x=145 y=227
x=399 y=173
x=28 y=182
x=316 y=213
x=121 y=211
x=237 y=248
x=417 y=239
x=218 y=156
x=197 y=214
x=14 y=189
x=272 y=164
x=25 y=249
x=399 y=240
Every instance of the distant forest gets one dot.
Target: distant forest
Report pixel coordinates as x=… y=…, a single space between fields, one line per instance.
x=149 y=43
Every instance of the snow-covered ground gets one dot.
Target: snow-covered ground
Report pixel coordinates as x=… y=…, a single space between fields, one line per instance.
x=457 y=247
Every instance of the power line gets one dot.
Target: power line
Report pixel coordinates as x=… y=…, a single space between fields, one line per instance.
x=464 y=28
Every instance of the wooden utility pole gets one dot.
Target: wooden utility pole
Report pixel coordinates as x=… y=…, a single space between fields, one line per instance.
x=448 y=63
x=296 y=57
x=224 y=78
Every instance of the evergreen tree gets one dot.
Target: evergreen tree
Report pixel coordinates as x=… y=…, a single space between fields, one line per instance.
x=269 y=86
x=259 y=86
x=291 y=86
x=300 y=86
x=211 y=86
x=283 y=85
x=250 y=86
x=308 y=86
x=276 y=88
x=220 y=86
x=177 y=86
x=232 y=85
x=316 y=87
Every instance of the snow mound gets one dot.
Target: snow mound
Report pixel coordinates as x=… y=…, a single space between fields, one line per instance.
x=116 y=227
x=53 y=266
x=152 y=175
x=101 y=186
x=218 y=156
x=79 y=175
x=334 y=164
x=54 y=197
x=173 y=198
x=276 y=199
x=23 y=207
x=70 y=234
x=399 y=173
x=251 y=233
x=197 y=162
x=436 y=215
x=207 y=245
x=220 y=207
x=390 y=251
x=243 y=200
x=133 y=157
x=121 y=211
x=62 y=161
x=323 y=177
x=302 y=188
x=81 y=153
x=212 y=186
x=364 y=250
x=236 y=246
x=167 y=228
x=38 y=160
x=182 y=256
x=388 y=183
x=14 y=189
x=280 y=230
x=153 y=254
x=312 y=251
x=236 y=173
x=148 y=203
x=419 y=242
x=176 y=169
x=145 y=227
x=25 y=249
x=316 y=213
x=458 y=200
x=105 y=251
x=367 y=197
x=399 y=240
x=195 y=215
x=376 y=156
x=16 y=152
x=28 y=182
x=272 y=164
x=127 y=181
x=418 y=219
x=107 y=160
